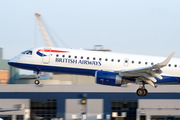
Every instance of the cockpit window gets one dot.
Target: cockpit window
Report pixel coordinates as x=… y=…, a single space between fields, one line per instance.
x=25 y=52
x=28 y=52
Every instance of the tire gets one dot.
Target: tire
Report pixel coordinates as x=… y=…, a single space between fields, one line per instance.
x=36 y=82
x=146 y=92
x=140 y=92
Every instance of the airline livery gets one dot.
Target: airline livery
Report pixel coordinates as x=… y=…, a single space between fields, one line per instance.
x=108 y=68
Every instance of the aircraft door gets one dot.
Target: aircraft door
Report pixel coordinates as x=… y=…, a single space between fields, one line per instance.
x=126 y=62
x=46 y=55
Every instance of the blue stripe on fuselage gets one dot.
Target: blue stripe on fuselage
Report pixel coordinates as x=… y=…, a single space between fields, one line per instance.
x=45 y=68
x=168 y=79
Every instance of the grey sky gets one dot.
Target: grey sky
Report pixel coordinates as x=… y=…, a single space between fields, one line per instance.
x=129 y=26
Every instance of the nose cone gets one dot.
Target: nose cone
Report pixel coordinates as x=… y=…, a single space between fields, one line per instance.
x=12 y=62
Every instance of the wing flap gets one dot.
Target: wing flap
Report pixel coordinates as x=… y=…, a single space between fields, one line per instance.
x=149 y=82
x=149 y=77
x=155 y=74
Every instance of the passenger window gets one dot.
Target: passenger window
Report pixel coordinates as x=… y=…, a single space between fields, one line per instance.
x=152 y=63
x=146 y=63
x=100 y=59
x=57 y=55
x=132 y=62
x=75 y=56
x=106 y=59
x=118 y=60
x=81 y=57
x=175 y=65
x=126 y=61
x=94 y=58
x=112 y=60
x=69 y=56
x=63 y=55
x=169 y=65
x=88 y=58
x=139 y=62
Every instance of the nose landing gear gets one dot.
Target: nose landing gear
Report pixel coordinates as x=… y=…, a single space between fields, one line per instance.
x=142 y=91
x=36 y=82
x=37 y=78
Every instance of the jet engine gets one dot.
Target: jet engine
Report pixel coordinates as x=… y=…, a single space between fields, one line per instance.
x=108 y=78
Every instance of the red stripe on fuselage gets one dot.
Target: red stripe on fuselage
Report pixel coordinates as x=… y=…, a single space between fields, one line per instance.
x=48 y=50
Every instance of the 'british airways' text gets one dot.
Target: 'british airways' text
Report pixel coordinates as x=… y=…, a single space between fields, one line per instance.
x=74 y=61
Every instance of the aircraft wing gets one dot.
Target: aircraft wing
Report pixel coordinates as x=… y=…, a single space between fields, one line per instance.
x=148 y=73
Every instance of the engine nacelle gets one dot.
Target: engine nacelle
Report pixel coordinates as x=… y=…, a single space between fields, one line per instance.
x=108 y=78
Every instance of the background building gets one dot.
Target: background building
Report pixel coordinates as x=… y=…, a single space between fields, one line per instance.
x=91 y=102
x=7 y=73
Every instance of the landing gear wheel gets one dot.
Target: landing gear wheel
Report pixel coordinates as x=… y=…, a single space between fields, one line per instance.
x=140 y=92
x=36 y=82
x=146 y=92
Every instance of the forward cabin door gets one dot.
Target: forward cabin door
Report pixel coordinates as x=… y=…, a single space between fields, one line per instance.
x=46 y=55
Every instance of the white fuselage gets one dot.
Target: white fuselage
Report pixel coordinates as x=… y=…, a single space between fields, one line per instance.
x=93 y=60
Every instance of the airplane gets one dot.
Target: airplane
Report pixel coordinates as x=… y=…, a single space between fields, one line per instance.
x=108 y=68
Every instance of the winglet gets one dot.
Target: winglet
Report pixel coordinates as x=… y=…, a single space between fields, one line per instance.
x=166 y=61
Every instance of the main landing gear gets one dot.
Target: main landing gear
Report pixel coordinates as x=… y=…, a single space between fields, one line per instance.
x=142 y=91
x=37 y=78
